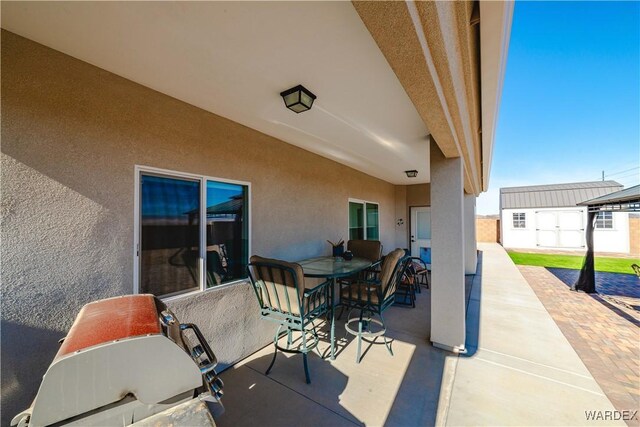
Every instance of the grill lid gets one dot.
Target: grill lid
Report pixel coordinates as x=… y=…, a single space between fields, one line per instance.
x=111 y=319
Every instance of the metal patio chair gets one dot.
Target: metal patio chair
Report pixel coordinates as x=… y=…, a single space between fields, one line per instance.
x=373 y=297
x=407 y=285
x=368 y=249
x=420 y=272
x=281 y=293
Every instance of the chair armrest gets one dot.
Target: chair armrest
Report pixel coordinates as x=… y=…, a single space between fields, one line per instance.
x=375 y=264
x=321 y=287
x=419 y=261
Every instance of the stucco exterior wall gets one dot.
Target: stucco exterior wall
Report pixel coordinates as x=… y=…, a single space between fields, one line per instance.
x=488 y=230
x=634 y=235
x=604 y=240
x=71 y=136
x=402 y=218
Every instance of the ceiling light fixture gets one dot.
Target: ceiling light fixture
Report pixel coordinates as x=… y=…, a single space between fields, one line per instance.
x=411 y=173
x=298 y=99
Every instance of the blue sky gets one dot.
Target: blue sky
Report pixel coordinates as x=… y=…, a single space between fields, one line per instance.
x=571 y=97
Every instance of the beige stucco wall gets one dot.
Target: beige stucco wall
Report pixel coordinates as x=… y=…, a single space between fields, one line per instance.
x=634 y=235
x=402 y=219
x=71 y=135
x=488 y=230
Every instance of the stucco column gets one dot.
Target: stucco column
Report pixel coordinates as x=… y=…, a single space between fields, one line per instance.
x=470 y=245
x=447 y=259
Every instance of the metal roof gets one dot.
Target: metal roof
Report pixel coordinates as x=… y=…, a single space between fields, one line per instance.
x=555 y=195
x=627 y=199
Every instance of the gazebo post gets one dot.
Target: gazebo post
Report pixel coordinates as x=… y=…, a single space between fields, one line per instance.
x=627 y=200
x=587 y=280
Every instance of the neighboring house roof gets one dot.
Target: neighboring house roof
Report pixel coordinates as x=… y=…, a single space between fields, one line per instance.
x=555 y=195
x=626 y=196
x=232 y=206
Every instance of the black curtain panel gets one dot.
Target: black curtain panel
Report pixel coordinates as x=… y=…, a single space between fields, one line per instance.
x=587 y=280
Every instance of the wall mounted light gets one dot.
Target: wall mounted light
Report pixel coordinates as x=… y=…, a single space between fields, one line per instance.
x=298 y=99
x=411 y=173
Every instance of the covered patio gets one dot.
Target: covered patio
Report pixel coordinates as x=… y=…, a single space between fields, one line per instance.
x=142 y=143
x=515 y=351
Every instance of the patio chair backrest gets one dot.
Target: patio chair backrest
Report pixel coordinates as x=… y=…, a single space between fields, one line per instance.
x=368 y=249
x=279 y=285
x=390 y=272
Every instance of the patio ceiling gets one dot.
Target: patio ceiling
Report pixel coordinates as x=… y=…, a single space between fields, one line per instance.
x=233 y=59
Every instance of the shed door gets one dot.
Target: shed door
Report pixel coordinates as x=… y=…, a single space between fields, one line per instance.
x=571 y=229
x=560 y=229
x=546 y=229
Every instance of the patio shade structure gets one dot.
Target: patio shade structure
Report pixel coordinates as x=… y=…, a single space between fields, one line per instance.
x=627 y=200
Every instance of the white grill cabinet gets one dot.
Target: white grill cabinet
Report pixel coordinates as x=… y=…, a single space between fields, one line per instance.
x=125 y=359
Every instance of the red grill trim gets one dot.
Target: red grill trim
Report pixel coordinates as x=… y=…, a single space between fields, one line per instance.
x=112 y=319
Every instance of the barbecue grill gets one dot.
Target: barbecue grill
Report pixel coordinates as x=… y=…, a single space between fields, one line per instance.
x=123 y=360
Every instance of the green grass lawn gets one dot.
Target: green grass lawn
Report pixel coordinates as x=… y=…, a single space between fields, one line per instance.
x=610 y=265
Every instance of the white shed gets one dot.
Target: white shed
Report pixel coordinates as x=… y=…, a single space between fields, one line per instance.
x=548 y=217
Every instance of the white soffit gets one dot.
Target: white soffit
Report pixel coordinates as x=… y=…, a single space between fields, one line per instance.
x=234 y=58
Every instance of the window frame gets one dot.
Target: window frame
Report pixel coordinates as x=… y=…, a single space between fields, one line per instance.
x=522 y=220
x=364 y=206
x=137 y=230
x=613 y=224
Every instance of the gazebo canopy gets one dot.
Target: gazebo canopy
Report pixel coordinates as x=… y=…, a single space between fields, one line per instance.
x=627 y=200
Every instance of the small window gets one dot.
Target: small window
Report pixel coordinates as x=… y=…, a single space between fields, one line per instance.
x=604 y=220
x=519 y=220
x=364 y=223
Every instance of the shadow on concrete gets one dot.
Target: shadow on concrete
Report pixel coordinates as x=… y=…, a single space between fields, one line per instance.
x=474 y=294
x=253 y=398
x=21 y=377
x=416 y=401
x=403 y=389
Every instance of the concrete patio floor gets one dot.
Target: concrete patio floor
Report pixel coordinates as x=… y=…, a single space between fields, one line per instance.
x=402 y=389
x=524 y=371
x=520 y=370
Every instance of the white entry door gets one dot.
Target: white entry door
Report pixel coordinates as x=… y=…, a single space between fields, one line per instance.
x=421 y=233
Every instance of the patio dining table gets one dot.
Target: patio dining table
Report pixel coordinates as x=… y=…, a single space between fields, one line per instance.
x=332 y=268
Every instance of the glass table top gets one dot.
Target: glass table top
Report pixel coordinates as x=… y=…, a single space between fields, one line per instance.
x=331 y=267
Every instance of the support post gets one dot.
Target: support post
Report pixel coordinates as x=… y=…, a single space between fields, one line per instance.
x=470 y=245
x=587 y=280
x=447 y=260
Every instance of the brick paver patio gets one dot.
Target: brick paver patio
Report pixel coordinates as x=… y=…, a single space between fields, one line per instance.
x=621 y=288
x=604 y=332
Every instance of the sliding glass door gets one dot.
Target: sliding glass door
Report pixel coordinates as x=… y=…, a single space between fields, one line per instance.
x=193 y=233
x=169 y=235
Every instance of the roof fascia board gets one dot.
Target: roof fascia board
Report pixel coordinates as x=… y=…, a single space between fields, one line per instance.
x=495 y=29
